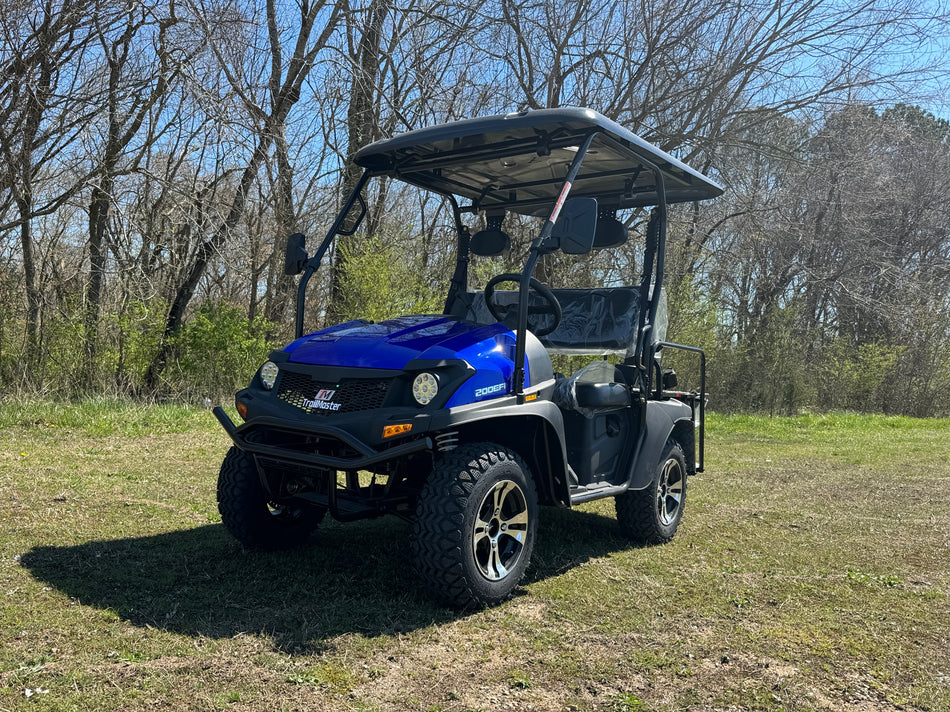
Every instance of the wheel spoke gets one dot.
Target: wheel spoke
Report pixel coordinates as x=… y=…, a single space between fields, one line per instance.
x=667 y=470
x=674 y=493
x=480 y=532
x=670 y=506
x=517 y=521
x=495 y=499
x=496 y=570
x=502 y=490
x=511 y=542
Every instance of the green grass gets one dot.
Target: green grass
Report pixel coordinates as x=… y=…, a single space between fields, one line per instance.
x=101 y=417
x=810 y=573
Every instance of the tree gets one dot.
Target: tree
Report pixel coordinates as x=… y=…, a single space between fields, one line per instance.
x=135 y=91
x=44 y=105
x=267 y=111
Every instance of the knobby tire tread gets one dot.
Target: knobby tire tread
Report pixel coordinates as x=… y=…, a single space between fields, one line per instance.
x=242 y=504
x=636 y=509
x=438 y=532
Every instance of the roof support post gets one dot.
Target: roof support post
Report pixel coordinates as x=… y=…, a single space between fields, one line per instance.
x=460 y=276
x=652 y=278
x=535 y=254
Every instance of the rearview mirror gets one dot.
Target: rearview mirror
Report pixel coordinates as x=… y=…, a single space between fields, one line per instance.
x=296 y=254
x=575 y=227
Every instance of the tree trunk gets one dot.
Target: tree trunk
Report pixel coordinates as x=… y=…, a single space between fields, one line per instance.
x=361 y=121
x=282 y=285
x=25 y=206
x=204 y=253
x=98 y=225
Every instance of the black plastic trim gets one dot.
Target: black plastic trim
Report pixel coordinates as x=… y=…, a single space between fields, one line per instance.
x=368 y=455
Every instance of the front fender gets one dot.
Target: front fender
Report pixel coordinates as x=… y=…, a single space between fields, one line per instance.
x=534 y=429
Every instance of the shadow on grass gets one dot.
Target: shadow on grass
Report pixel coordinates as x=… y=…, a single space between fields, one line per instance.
x=353 y=578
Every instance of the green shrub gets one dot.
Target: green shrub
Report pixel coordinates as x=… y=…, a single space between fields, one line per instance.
x=856 y=377
x=378 y=283
x=216 y=352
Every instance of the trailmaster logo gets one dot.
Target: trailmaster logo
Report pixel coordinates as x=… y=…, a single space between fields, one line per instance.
x=323 y=401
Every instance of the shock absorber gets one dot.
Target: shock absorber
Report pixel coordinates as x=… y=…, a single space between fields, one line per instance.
x=447 y=441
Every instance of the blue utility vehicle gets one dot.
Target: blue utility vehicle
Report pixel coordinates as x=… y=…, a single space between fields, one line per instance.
x=457 y=421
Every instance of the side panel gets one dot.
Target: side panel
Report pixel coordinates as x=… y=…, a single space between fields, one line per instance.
x=493 y=361
x=662 y=418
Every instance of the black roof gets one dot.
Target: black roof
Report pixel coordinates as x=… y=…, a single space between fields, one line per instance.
x=518 y=162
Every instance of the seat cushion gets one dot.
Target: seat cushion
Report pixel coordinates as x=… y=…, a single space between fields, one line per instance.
x=601 y=395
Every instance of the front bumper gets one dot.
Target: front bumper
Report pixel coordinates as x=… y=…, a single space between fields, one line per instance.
x=299 y=443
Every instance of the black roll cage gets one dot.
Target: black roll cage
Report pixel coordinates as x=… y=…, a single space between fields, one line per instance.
x=438 y=159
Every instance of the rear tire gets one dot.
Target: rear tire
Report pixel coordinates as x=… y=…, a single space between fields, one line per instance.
x=652 y=515
x=475 y=525
x=253 y=520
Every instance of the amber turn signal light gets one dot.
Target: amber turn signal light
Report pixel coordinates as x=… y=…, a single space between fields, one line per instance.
x=391 y=430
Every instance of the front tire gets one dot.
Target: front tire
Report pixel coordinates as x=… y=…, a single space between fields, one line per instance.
x=248 y=514
x=652 y=515
x=475 y=525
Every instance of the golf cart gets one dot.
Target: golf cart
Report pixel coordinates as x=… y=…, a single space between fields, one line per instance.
x=457 y=422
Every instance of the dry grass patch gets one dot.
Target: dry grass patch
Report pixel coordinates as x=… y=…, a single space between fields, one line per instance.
x=809 y=574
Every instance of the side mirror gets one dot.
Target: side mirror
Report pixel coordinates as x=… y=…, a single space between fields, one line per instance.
x=296 y=254
x=575 y=227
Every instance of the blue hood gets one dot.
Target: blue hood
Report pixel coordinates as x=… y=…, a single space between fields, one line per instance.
x=393 y=343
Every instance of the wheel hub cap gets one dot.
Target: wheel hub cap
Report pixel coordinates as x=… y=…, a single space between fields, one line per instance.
x=501 y=530
x=669 y=492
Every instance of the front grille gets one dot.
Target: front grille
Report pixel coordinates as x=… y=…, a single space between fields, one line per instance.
x=325 y=398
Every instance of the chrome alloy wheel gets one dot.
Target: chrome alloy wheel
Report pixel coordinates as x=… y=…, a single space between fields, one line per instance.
x=501 y=530
x=669 y=491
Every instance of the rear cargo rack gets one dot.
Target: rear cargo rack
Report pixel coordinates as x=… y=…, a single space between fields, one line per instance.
x=695 y=400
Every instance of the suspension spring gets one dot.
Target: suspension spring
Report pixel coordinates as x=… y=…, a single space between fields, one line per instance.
x=447 y=441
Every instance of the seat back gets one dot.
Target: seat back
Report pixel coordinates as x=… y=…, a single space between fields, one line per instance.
x=610 y=232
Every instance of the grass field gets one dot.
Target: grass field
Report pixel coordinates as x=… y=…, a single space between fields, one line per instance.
x=811 y=572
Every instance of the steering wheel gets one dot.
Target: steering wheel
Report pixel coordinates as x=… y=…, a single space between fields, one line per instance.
x=550 y=307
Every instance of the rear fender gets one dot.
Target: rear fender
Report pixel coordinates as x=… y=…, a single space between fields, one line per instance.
x=663 y=420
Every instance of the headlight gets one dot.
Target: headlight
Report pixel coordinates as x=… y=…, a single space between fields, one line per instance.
x=425 y=388
x=269 y=373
